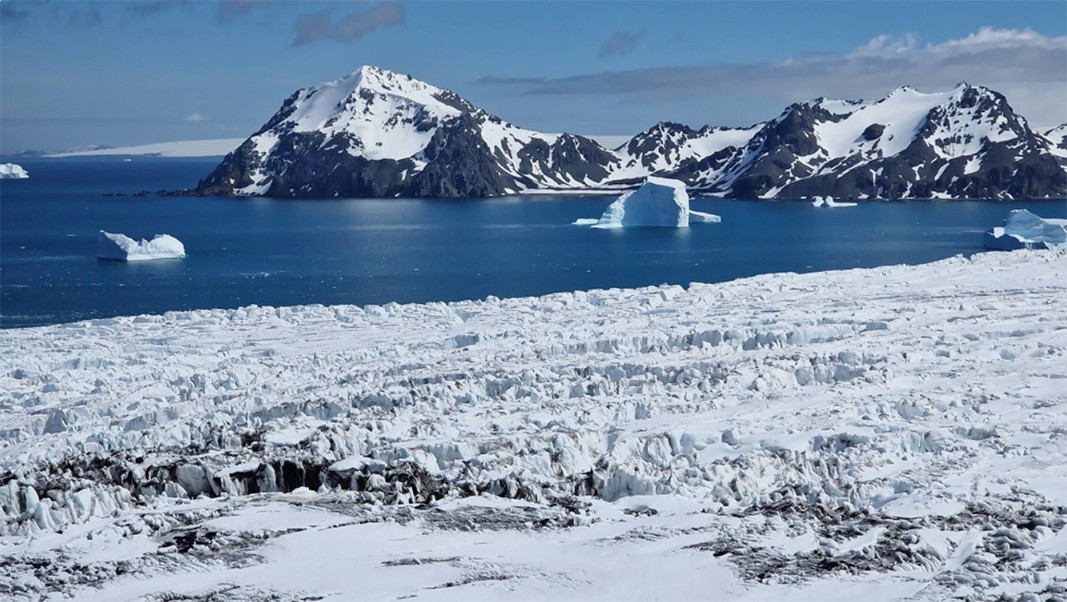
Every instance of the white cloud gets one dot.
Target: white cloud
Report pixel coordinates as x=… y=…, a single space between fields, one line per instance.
x=196 y=117
x=1027 y=67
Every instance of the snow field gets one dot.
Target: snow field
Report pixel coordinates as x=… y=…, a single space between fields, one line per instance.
x=887 y=433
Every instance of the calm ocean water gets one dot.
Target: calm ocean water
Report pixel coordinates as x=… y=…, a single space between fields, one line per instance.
x=278 y=252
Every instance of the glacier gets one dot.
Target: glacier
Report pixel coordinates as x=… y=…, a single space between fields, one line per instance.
x=659 y=203
x=766 y=438
x=1024 y=230
x=13 y=171
x=124 y=248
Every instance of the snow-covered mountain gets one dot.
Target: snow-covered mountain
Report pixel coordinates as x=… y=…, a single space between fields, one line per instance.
x=964 y=143
x=1058 y=137
x=378 y=133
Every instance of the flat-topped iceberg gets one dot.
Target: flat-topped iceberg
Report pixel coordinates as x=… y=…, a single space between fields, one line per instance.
x=1024 y=230
x=658 y=203
x=124 y=248
x=13 y=171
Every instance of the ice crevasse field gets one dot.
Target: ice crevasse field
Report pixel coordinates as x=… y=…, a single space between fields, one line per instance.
x=420 y=406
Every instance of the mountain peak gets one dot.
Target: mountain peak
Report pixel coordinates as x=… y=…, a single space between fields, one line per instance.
x=380 y=133
x=376 y=79
x=903 y=90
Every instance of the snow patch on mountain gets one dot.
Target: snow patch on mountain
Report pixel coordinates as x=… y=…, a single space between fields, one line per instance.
x=901 y=113
x=1057 y=136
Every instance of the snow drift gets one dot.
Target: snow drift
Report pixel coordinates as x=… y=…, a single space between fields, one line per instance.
x=1024 y=230
x=13 y=171
x=658 y=203
x=124 y=248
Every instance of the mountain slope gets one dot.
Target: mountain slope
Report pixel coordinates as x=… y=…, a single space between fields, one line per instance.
x=379 y=133
x=376 y=133
x=965 y=143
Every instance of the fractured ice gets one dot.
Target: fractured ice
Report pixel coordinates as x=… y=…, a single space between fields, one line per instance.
x=766 y=437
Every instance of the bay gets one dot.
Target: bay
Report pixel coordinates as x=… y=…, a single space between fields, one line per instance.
x=373 y=251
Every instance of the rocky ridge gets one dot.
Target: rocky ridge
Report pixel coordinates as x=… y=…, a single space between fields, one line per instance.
x=376 y=133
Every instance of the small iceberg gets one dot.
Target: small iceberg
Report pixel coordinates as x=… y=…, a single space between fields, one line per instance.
x=658 y=203
x=828 y=201
x=124 y=248
x=1024 y=230
x=13 y=171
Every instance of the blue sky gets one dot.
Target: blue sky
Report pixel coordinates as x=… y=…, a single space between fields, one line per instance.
x=117 y=73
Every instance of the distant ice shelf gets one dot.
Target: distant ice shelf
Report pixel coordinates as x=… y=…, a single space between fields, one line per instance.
x=124 y=248
x=183 y=148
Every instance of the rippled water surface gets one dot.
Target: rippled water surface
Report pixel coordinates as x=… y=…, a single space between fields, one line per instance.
x=284 y=252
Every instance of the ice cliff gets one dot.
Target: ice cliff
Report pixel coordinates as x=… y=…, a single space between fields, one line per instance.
x=1024 y=230
x=659 y=203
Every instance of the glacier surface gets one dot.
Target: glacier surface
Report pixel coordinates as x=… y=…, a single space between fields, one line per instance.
x=881 y=434
x=659 y=203
x=124 y=248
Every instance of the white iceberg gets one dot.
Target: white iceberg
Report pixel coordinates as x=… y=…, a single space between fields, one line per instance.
x=828 y=201
x=1024 y=230
x=124 y=248
x=13 y=171
x=659 y=202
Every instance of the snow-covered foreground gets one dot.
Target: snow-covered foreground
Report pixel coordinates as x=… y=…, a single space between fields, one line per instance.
x=882 y=434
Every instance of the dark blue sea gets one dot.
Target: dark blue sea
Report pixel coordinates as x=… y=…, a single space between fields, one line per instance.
x=285 y=252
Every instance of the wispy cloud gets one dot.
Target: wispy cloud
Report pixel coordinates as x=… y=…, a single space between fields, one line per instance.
x=620 y=42
x=232 y=10
x=72 y=14
x=321 y=26
x=494 y=79
x=196 y=117
x=1022 y=61
x=148 y=8
x=13 y=14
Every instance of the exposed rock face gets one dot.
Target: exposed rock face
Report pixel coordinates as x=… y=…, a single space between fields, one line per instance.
x=376 y=133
